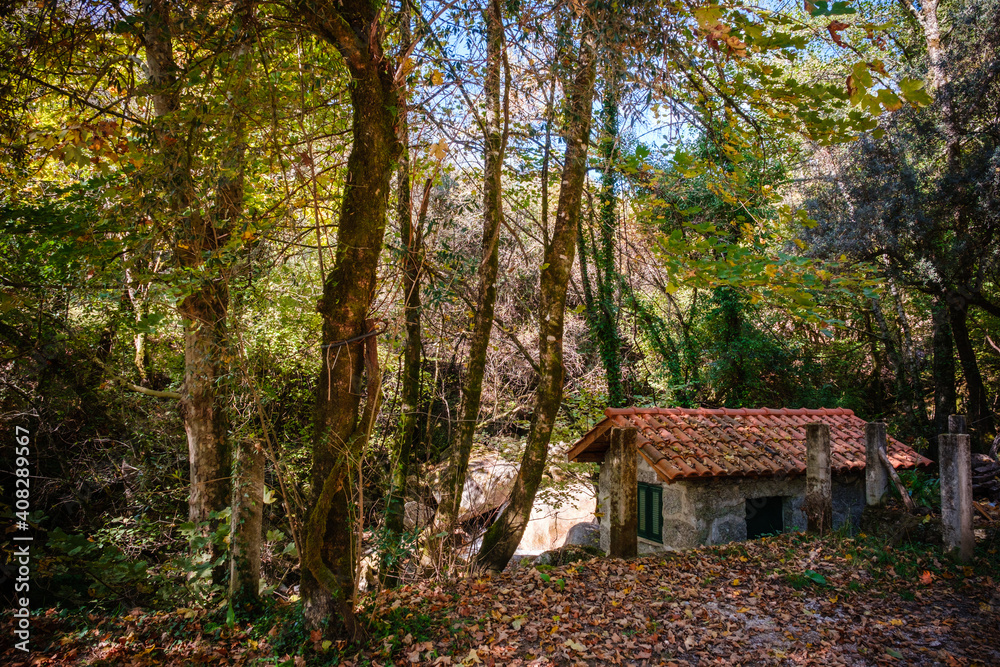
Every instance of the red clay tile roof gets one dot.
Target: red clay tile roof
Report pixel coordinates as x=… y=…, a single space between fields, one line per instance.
x=681 y=443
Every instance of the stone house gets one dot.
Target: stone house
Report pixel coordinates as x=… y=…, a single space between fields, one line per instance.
x=710 y=476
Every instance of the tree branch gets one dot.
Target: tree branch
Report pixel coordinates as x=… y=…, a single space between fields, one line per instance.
x=80 y=100
x=150 y=392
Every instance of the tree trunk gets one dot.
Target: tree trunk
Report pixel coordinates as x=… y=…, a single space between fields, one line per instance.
x=472 y=387
x=412 y=260
x=502 y=538
x=980 y=418
x=602 y=312
x=246 y=521
x=328 y=556
x=204 y=309
x=945 y=403
x=248 y=467
x=978 y=408
x=204 y=409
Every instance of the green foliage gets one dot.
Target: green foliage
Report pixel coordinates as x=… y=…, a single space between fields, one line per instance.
x=82 y=570
x=924 y=489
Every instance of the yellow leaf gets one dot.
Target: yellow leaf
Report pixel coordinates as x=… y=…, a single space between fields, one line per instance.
x=575 y=645
x=437 y=78
x=440 y=149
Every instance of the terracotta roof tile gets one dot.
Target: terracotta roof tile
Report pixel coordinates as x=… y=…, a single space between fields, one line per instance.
x=746 y=442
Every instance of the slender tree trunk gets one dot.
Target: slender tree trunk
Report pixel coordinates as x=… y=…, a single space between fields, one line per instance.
x=329 y=554
x=602 y=312
x=502 y=538
x=482 y=327
x=205 y=308
x=730 y=324
x=980 y=418
x=945 y=402
x=246 y=522
x=138 y=299
x=412 y=260
x=248 y=465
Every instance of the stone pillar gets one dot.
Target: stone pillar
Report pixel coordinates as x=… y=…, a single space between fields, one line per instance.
x=621 y=464
x=956 y=495
x=819 y=498
x=876 y=479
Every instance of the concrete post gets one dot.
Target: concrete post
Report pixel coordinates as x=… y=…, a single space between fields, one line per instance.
x=956 y=495
x=956 y=424
x=876 y=479
x=819 y=499
x=623 y=503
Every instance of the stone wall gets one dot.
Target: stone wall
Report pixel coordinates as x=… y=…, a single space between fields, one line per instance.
x=713 y=511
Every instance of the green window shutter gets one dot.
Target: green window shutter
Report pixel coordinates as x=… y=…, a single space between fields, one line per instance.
x=650 y=523
x=655 y=516
x=641 y=496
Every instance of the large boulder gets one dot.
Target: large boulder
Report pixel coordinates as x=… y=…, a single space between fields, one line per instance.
x=565 y=555
x=488 y=483
x=555 y=513
x=584 y=535
x=417 y=515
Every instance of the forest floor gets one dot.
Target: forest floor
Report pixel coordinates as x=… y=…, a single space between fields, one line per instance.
x=785 y=600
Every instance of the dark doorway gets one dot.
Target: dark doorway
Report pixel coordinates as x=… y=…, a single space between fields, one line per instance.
x=764 y=516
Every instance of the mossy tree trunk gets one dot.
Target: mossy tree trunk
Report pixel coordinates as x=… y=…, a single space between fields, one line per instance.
x=602 y=302
x=502 y=538
x=328 y=558
x=411 y=262
x=486 y=293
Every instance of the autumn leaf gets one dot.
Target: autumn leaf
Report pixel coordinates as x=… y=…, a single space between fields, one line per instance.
x=834 y=29
x=439 y=149
x=926 y=578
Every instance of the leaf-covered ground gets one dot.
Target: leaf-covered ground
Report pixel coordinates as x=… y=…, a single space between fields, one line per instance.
x=787 y=600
